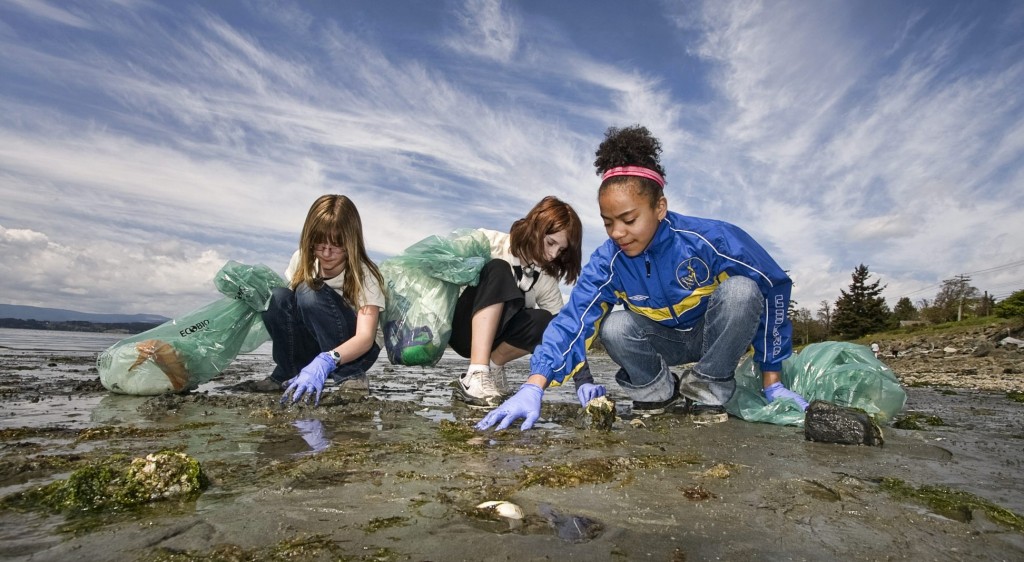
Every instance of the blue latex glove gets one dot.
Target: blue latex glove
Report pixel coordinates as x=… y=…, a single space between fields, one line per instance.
x=777 y=391
x=312 y=432
x=523 y=404
x=588 y=391
x=310 y=379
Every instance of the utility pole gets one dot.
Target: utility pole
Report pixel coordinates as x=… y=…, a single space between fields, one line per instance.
x=962 y=288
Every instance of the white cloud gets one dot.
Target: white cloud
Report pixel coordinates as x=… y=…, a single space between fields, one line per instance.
x=48 y=11
x=161 y=142
x=485 y=28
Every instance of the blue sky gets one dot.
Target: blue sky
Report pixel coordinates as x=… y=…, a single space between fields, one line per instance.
x=144 y=143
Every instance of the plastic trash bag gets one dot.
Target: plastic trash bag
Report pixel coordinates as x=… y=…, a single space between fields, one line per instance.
x=839 y=372
x=422 y=286
x=183 y=353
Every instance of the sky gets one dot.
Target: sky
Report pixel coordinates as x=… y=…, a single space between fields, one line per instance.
x=145 y=143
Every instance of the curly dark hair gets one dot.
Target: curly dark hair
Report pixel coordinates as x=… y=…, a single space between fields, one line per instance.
x=630 y=146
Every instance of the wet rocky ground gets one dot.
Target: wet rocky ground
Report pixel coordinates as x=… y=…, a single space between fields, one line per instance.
x=397 y=473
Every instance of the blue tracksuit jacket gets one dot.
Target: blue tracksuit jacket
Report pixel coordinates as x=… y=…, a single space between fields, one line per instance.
x=670 y=283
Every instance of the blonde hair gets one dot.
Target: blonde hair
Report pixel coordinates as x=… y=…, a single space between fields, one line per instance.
x=334 y=220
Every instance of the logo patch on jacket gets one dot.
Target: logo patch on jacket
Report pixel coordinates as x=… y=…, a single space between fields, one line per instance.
x=693 y=273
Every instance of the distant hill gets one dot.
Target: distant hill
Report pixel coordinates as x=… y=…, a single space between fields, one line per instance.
x=20 y=312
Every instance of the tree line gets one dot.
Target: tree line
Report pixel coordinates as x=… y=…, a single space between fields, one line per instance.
x=861 y=310
x=77 y=325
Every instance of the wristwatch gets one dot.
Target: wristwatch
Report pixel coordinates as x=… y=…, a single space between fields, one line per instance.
x=336 y=356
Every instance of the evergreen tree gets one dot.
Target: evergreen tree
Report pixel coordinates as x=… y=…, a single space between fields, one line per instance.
x=904 y=310
x=1012 y=306
x=861 y=310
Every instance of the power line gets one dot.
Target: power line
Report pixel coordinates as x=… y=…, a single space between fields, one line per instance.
x=993 y=269
x=1010 y=265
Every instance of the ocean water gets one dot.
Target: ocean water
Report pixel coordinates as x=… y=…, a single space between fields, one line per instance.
x=53 y=340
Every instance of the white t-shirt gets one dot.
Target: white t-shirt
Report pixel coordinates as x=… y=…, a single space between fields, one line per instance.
x=545 y=293
x=372 y=295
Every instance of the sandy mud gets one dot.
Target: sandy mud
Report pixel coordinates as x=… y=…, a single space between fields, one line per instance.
x=397 y=473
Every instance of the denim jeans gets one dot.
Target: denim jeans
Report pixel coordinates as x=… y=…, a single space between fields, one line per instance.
x=304 y=322
x=645 y=349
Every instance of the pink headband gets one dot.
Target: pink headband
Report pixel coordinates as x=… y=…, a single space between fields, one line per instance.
x=637 y=171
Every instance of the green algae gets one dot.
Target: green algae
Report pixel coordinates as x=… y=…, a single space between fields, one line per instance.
x=314 y=547
x=133 y=432
x=952 y=503
x=116 y=483
x=20 y=433
x=596 y=470
x=376 y=524
x=1016 y=396
x=456 y=432
x=914 y=421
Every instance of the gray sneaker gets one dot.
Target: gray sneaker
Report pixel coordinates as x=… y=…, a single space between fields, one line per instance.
x=500 y=381
x=359 y=383
x=477 y=388
x=705 y=414
x=657 y=408
x=266 y=385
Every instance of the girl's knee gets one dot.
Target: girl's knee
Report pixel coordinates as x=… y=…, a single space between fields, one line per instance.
x=306 y=297
x=280 y=301
x=616 y=328
x=739 y=289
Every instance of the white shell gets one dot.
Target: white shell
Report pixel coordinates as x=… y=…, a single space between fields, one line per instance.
x=505 y=509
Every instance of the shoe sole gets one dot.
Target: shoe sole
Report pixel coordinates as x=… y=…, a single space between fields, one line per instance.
x=708 y=419
x=472 y=401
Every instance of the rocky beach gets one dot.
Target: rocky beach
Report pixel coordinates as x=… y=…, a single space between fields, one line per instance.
x=398 y=473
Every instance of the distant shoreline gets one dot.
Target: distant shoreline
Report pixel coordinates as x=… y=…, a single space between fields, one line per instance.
x=78 y=326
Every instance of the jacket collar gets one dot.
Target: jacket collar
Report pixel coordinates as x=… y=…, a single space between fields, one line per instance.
x=661 y=235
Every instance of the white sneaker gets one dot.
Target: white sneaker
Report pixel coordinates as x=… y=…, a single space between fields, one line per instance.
x=477 y=388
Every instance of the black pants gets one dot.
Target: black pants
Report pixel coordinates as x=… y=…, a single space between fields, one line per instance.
x=519 y=326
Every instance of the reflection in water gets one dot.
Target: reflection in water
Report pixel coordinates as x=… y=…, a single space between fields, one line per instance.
x=312 y=432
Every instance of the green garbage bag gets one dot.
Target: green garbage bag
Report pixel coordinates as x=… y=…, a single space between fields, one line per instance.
x=422 y=286
x=843 y=373
x=183 y=353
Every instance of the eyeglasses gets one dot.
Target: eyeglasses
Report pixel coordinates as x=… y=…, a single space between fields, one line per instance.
x=327 y=249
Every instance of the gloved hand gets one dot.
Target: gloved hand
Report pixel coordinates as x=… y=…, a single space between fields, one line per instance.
x=310 y=379
x=588 y=391
x=523 y=404
x=312 y=432
x=777 y=391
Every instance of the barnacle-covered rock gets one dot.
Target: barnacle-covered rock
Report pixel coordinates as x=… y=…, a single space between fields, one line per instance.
x=599 y=414
x=115 y=484
x=164 y=475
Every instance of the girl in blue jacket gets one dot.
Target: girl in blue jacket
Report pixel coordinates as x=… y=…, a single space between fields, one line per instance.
x=692 y=290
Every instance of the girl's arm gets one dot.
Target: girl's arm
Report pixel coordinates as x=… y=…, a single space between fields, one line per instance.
x=366 y=331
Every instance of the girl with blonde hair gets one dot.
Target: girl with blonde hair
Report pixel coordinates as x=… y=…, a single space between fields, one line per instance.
x=324 y=323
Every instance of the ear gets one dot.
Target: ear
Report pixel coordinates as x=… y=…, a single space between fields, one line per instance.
x=661 y=208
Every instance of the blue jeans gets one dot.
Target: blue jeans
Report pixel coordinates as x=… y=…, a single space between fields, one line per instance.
x=645 y=349
x=304 y=322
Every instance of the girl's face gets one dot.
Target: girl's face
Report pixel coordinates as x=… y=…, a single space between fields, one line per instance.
x=629 y=219
x=555 y=244
x=332 y=258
